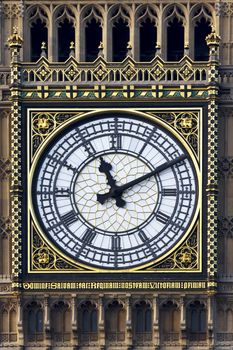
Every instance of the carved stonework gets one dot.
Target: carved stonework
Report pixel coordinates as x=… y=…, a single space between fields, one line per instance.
x=5 y=226
x=225 y=166
x=5 y=168
x=225 y=8
x=225 y=226
x=5 y=288
x=13 y=10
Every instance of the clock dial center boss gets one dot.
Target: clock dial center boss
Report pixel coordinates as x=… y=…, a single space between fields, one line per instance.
x=115 y=191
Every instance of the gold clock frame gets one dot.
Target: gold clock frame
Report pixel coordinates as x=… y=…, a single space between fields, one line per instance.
x=184 y=123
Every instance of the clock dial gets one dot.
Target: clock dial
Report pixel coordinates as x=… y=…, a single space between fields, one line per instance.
x=115 y=192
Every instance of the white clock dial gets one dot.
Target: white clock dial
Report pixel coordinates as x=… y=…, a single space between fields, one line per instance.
x=115 y=192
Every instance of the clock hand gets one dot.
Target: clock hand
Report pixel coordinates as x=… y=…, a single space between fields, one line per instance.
x=116 y=192
x=105 y=168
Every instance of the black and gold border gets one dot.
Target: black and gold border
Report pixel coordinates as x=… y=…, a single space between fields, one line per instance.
x=184 y=123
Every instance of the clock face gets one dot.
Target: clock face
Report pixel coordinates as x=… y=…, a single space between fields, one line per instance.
x=115 y=191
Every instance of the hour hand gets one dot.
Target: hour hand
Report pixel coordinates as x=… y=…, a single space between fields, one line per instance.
x=102 y=197
x=105 y=168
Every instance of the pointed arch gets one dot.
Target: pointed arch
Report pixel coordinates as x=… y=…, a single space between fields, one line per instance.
x=197 y=320
x=169 y=321
x=142 y=321
x=88 y=322
x=33 y=321
x=60 y=322
x=115 y=316
x=91 y=35
x=201 y=23
x=174 y=19
x=229 y=320
x=37 y=32
x=118 y=32
x=64 y=20
x=146 y=23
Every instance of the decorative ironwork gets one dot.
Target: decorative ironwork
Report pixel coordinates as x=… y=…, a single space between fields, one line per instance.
x=187 y=124
x=45 y=259
x=102 y=71
x=185 y=258
x=43 y=124
x=213 y=41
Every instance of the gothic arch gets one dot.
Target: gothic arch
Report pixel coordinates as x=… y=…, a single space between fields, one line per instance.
x=201 y=21
x=174 y=26
x=5 y=253
x=115 y=321
x=87 y=321
x=197 y=320
x=91 y=31
x=119 y=19
x=33 y=321
x=38 y=21
x=142 y=320
x=64 y=27
x=228 y=254
x=60 y=321
x=229 y=320
x=169 y=312
x=146 y=32
x=8 y=327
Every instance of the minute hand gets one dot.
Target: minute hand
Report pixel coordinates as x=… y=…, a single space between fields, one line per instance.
x=120 y=189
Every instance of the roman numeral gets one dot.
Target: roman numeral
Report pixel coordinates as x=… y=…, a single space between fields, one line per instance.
x=89 y=148
x=116 y=243
x=161 y=217
x=69 y=218
x=88 y=236
x=86 y=144
x=169 y=192
x=143 y=236
x=62 y=192
x=116 y=141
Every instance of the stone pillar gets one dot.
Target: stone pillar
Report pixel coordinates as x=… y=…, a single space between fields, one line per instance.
x=210 y=321
x=183 y=322
x=129 y=340
x=107 y=36
x=101 y=322
x=20 y=323
x=74 y=320
x=47 y=321
x=156 y=338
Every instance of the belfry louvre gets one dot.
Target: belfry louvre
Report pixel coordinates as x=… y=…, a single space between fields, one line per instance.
x=116 y=175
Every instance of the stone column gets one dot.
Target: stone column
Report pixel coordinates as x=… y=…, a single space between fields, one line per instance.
x=20 y=323
x=74 y=320
x=47 y=321
x=183 y=322
x=129 y=340
x=101 y=322
x=210 y=321
x=156 y=338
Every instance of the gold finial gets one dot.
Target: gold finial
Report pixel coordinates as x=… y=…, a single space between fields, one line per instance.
x=15 y=39
x=213 y=38
x=43 y=49
x=101 y=49
x=43 y=45
x=101 y=45
x=129 y=46
x=72 y=48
